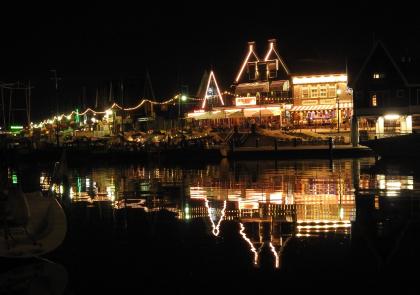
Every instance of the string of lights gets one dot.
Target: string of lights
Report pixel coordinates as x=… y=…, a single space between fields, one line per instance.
x=109 y=111
x=174 y=100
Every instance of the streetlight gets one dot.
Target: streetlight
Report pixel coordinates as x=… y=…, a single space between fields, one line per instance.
x=181 y=98
x=338 y=109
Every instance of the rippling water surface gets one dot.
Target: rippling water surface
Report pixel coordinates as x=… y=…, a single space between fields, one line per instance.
x=246 y=225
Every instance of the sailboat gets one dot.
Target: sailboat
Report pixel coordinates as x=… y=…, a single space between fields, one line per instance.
x=31 y=224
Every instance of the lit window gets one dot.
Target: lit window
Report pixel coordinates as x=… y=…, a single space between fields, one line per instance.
x=314 y=92
x=378 y=75
x=305 y=92
x=323 y=91
x=332 y=91
x=374 y=101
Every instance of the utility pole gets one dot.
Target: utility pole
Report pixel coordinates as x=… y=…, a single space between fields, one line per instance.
x=122 y=111
x=56 y=79
x=182 y=98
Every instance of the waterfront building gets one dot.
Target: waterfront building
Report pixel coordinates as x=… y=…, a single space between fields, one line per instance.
x=263 y=80
x=321 y=100
x=267 y=92
x=387 y=93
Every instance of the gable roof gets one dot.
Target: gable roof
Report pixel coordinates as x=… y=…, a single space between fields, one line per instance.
x=212 y=78
x=272 y=49
x=379 y=44
x=251 y=52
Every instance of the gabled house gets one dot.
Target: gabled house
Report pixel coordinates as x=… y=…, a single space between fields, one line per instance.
x=386 y=93
x=266 y=79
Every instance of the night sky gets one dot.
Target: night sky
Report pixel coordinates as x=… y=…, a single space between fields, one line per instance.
x=92 y=44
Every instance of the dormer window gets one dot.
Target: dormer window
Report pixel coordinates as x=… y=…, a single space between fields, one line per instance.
x=374 y=101
x=378 y=75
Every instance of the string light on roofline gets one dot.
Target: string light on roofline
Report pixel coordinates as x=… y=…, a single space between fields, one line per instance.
x=109 y=110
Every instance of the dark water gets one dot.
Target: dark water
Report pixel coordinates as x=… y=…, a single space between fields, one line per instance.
x=318 y=225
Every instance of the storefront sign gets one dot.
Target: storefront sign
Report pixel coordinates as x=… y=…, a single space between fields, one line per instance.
x=311 y=102
x=246 y=101
x=327 y=101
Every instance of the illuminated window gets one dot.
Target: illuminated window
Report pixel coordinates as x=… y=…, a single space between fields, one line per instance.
x=332 y=91
x=305 y=92
x=323 y=91
x=374 y=101
x=378 y=75
x=314 y=92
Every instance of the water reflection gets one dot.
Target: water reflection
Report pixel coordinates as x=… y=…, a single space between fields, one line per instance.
x=271 y=202
x=274 y=207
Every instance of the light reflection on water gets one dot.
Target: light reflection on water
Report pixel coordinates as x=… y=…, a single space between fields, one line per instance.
x=272 y=202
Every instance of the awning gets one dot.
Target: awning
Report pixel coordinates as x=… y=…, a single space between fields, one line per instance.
x=237 y=114
x=313 y=108
x=207 y=115
x=263 y=113
x=344 y=105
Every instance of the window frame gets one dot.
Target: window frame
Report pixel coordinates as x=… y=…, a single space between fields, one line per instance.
x=374 y=100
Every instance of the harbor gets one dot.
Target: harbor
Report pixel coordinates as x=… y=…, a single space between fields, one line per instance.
x=182 y=148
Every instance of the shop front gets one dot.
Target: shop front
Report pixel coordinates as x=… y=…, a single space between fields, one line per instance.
x=323 y=115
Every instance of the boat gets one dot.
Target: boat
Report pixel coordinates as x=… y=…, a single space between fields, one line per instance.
x=32 y=224
x=402 y=146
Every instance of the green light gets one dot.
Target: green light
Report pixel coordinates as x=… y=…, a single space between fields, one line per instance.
x=16 y=127
x=14 y=179
x=77 y=116
x=184 y=97
x=79 y=185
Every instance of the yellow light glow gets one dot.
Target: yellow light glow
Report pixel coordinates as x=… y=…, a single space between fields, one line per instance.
x=216 y=228
x=269 y=51
x=391 y=117
x=242 y=233
x=275 y=255
x=245 y=101
x=319 y=79
x=109 y=111
x=212 y=76
x=251 y=51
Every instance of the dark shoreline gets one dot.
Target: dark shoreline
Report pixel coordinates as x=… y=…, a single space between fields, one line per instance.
x=178 y=156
